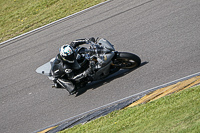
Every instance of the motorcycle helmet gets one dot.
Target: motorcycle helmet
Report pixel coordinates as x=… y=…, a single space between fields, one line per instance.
x=67 y=53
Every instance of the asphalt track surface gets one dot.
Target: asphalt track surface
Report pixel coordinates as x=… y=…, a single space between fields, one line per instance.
x=164 y=33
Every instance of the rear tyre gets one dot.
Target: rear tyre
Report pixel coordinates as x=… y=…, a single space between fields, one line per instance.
x=127 y=60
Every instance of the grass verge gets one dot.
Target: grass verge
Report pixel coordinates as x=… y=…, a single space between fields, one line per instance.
x=179 y=112
x=20 y=16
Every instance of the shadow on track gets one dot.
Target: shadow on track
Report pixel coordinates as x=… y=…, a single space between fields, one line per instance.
x=96 y=84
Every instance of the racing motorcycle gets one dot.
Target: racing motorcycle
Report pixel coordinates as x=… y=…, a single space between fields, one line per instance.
x=102 y=57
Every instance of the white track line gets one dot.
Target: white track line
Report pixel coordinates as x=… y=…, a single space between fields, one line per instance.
x=126 y=98
x=52 y=23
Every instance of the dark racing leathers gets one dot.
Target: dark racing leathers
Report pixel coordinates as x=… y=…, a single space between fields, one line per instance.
x=66 y=74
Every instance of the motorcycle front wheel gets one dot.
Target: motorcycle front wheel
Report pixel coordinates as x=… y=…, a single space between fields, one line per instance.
x=126 y=60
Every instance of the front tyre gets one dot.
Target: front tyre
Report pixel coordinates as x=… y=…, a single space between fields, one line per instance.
x=127 y=60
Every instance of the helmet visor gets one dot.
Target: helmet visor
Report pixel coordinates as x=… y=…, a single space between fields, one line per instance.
x=69 y=58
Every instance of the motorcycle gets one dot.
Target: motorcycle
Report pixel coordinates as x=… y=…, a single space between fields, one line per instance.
x=102 y=57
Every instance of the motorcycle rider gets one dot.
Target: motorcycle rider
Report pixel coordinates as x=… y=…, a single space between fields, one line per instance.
x=66 y=70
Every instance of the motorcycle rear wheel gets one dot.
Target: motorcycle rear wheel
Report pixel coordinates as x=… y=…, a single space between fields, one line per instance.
x=127 y=60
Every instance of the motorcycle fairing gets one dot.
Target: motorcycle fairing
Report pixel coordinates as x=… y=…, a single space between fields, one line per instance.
x=106 y=43
x=45 y=69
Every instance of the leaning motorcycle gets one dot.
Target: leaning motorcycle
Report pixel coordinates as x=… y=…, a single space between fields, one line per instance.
x=102 y=57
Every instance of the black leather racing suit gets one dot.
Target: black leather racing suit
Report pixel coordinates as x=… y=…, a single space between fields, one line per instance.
x=65 y=74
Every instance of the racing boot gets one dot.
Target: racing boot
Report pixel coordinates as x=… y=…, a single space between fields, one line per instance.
x=56 y=85
x=69 y=86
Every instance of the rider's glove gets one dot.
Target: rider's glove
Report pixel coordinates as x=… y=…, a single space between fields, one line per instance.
x=92 y=39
